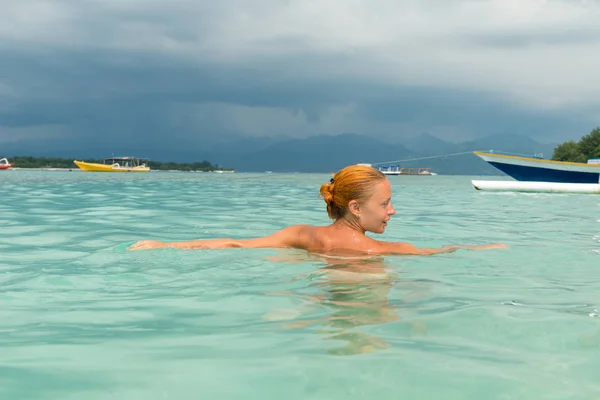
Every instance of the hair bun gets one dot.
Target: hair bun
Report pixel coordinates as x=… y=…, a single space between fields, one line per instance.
x=326 y=192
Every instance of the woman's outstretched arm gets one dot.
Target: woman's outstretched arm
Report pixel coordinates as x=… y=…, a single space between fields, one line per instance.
x=409 y=249
x=293 y=236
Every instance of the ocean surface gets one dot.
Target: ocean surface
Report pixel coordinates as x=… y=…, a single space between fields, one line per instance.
x=83 y=318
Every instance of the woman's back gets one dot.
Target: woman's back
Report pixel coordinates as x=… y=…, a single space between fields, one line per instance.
x=336 y=239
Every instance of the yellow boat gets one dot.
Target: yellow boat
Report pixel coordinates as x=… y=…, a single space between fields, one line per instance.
x=115 y=164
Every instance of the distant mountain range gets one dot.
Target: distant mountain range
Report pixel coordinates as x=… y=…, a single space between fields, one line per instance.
x=323 y=153
x=329 y=153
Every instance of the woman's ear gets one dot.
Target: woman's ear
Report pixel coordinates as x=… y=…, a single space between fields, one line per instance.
x=354 y=207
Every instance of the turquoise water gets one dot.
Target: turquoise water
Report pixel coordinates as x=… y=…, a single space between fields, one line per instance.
x=81 y=318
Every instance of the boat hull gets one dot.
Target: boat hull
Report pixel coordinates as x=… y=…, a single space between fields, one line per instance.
x=4 y=164
x=537 y=170
x=536 y=187
x=94 y=167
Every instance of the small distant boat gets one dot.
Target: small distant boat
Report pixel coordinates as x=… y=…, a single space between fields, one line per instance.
x=397 y=170
x=531 y=169
x=5 y=164
x=115 y=164
x=416 y=171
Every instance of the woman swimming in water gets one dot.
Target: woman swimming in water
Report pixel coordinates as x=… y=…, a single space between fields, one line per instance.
x=359 y=200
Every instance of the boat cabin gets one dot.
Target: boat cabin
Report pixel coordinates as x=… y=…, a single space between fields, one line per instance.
x=130 y=162
x=389 y=169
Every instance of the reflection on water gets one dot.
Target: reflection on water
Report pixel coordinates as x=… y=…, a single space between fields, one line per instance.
x=355 y=292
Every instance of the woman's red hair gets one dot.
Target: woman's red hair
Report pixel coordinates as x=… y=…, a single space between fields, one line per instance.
x=355 y=182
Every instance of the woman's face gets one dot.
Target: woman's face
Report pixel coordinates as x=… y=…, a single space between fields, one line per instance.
x=377 y=210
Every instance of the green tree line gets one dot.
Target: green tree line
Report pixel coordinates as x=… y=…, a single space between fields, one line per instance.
x=587 y=147
x=56 y=162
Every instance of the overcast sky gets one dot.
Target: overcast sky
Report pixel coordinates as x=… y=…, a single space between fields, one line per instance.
x=86 y=71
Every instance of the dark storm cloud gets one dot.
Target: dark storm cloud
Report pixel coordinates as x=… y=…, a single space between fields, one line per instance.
x=179 y=72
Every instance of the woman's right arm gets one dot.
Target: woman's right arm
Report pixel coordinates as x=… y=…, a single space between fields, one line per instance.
x=293 y=236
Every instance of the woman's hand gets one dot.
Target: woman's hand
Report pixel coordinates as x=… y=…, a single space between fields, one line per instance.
x=493 y=246
x=147 y=244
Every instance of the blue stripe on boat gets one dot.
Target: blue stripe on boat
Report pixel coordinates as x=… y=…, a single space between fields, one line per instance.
x=533 y=174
